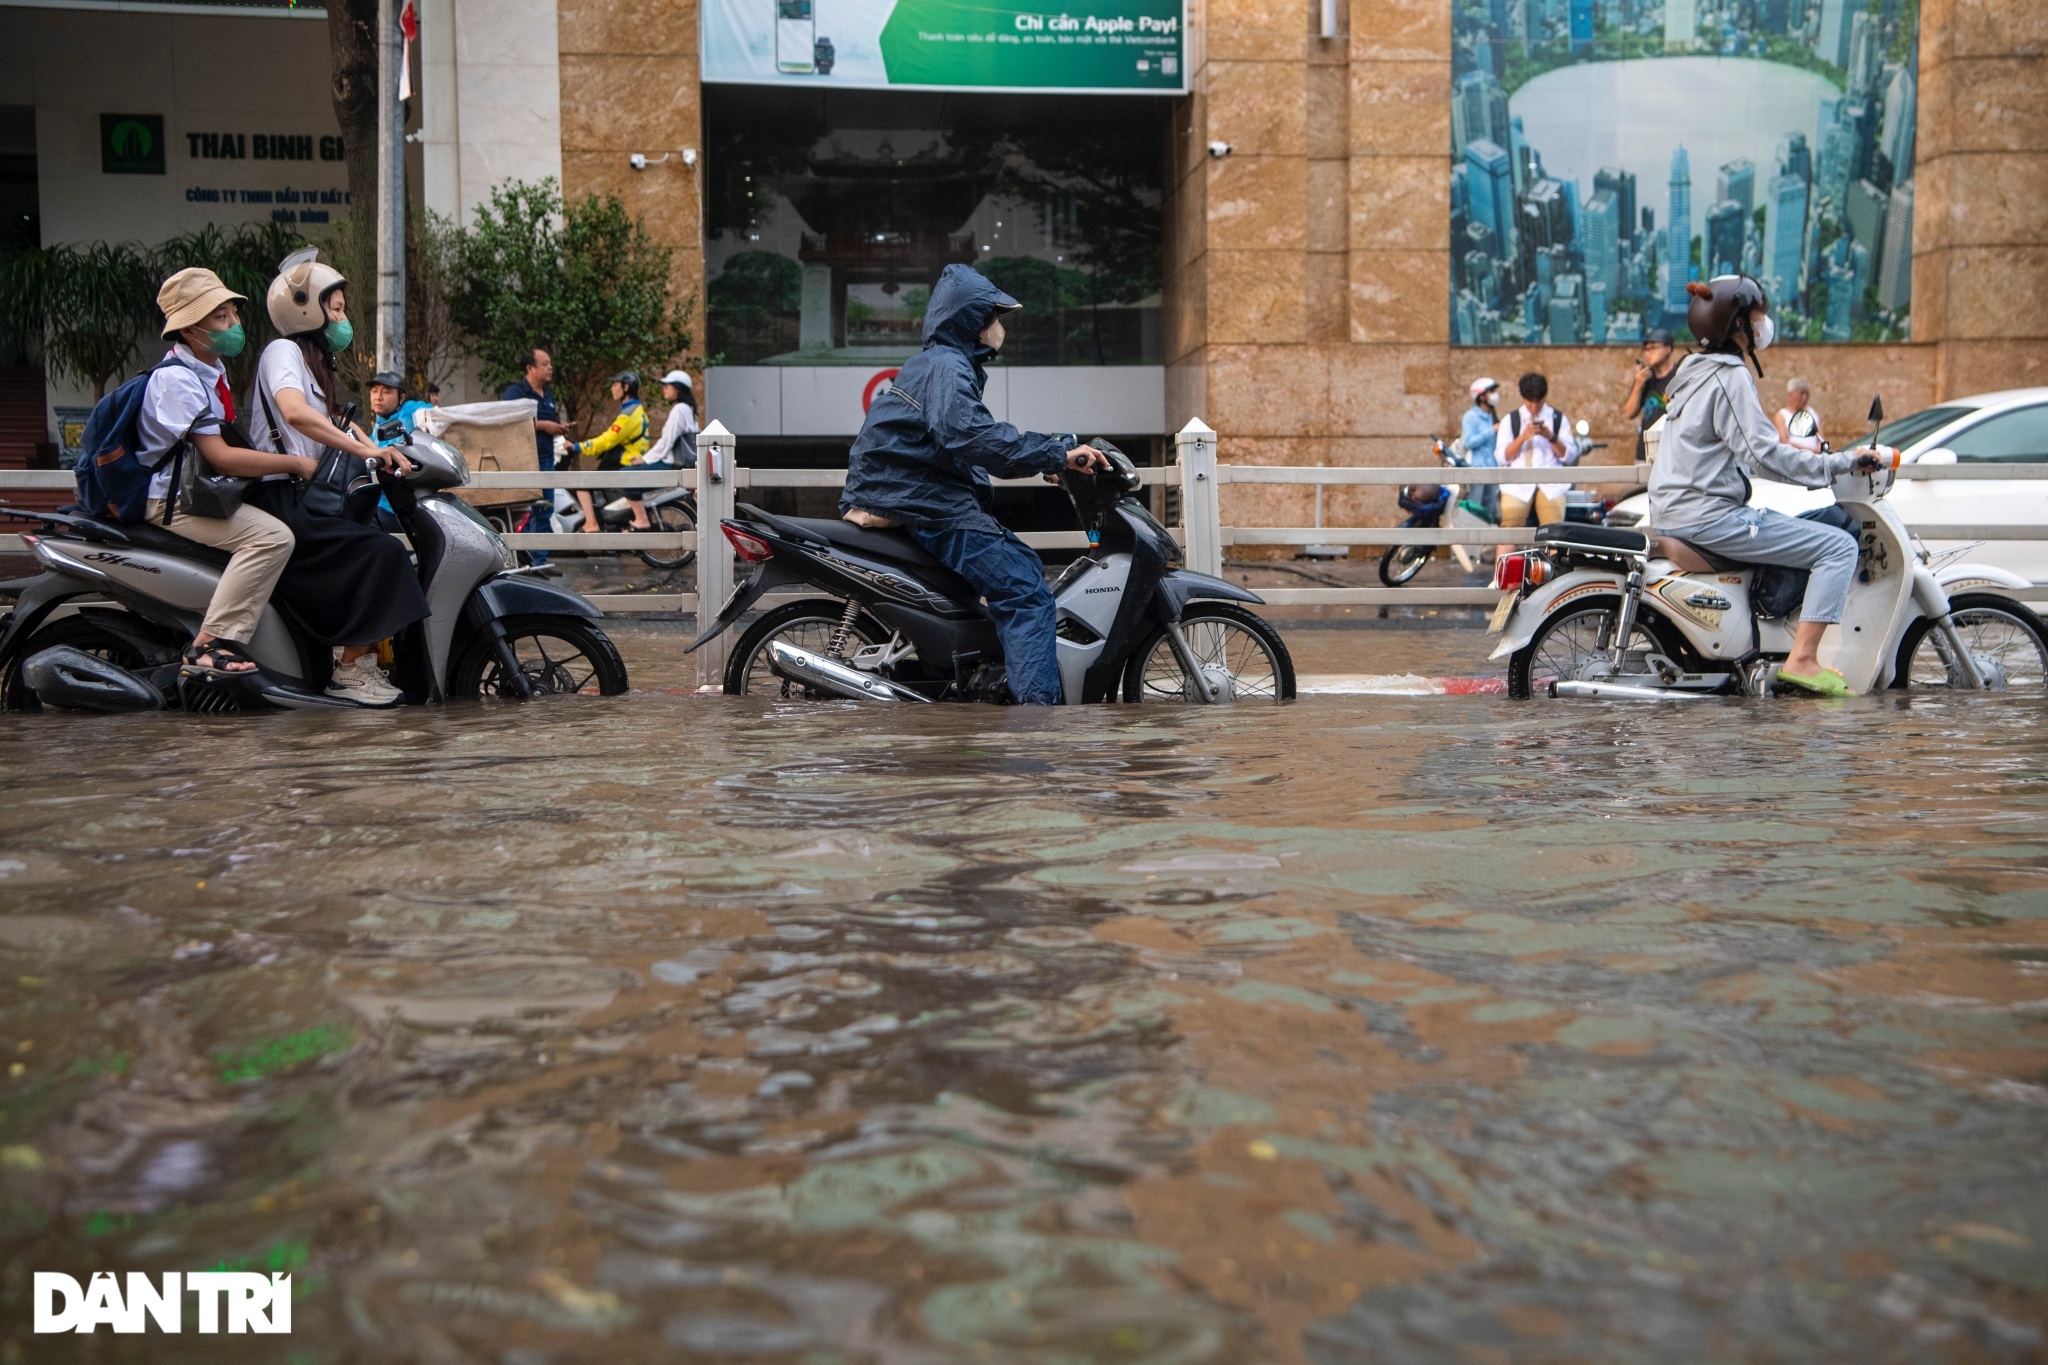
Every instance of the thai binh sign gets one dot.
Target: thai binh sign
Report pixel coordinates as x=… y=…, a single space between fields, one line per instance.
x=1097 y=46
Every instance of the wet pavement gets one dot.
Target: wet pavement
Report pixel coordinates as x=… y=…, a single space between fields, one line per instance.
x=1368 y=1029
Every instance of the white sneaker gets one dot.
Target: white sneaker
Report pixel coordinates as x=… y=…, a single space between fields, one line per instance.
x=363 y=683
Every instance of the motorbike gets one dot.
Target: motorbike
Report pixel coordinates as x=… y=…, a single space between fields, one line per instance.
x=102 y=627
x=897 y=625
x=1611 y=611
x=1401 y=563
x=671 y=509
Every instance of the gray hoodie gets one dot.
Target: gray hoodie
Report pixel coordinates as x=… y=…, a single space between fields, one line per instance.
x=1714 y=430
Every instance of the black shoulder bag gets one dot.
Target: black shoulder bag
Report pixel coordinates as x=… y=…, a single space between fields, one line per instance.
x=337 y=485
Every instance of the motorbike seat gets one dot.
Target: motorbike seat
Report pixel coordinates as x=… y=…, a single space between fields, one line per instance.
x=886 y=544
x=1689 y=558
x=152 y=536
x=1582 y=535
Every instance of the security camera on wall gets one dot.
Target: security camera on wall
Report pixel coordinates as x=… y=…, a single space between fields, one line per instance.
x=1219 y=150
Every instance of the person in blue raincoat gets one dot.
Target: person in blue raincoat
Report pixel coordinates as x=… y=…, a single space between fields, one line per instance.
x=923 y=459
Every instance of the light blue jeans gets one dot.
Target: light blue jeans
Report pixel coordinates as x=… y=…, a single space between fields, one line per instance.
x=1752 y=535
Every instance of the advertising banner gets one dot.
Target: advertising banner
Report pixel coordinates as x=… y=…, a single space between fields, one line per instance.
x=1605 y=155
x=1094 y=47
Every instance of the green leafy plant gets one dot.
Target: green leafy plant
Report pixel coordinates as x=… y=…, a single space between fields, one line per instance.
x=582 y=280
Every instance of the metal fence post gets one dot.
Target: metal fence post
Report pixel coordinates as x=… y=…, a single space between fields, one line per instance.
x=715 y=466
x=1201 y=511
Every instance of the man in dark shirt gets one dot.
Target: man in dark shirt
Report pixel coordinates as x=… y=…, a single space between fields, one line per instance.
x=1645 y=402
x=539 y=368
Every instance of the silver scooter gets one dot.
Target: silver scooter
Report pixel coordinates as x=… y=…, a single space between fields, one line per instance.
x=1609 y=611
x=102 y=627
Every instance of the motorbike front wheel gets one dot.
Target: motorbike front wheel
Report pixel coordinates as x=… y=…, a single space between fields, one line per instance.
x=808 y=625
x=1230 y=645
x=673 y=517
x=2003 y=633
x=1567 y=648
x=560 y=655
x=1400 y=564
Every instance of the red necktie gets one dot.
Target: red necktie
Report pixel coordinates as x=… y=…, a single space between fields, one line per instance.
x=227 y=400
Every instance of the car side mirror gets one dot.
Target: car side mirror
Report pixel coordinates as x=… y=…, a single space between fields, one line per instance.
x=1583 y=427
x=1942 y=456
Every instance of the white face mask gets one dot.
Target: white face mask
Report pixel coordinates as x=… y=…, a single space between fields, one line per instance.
x=1766 y=333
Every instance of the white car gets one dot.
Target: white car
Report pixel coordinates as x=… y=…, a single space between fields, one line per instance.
x=1990 y=428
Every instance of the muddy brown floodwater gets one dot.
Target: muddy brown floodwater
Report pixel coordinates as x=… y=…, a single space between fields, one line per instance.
x=1368 y=1029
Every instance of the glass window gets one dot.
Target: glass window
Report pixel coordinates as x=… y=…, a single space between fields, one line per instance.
x=831 y=215
x=1910 y=428
x=2019 y=437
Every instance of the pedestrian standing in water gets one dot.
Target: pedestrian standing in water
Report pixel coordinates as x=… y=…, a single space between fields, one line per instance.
x=1797 y=424
x=536 y=374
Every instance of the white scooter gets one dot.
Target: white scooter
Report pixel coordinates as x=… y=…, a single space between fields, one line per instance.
x=1607 y=611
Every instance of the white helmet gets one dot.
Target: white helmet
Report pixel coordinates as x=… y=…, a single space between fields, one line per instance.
x=297 y=297
x=679 y=378
x=1480 y=386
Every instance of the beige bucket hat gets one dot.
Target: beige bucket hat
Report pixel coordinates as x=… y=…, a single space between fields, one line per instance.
x=190 y=296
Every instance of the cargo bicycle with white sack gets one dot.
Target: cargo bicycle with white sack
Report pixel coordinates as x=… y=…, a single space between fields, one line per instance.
x=1619 y=612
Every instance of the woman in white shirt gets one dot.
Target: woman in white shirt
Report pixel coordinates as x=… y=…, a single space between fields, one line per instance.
x=349 y=584
x=677 y=447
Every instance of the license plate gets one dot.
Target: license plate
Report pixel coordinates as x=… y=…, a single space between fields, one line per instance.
x=1501 y=613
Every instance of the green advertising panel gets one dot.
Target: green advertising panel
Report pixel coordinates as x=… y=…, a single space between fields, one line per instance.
x=1099 y=46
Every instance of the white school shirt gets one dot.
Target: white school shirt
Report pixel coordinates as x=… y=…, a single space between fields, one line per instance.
x=1538 y=452
x=180 y=401
x=672 y=448
x=283 y=366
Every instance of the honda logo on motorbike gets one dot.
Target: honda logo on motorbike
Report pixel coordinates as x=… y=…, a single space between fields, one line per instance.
x=255 y=1303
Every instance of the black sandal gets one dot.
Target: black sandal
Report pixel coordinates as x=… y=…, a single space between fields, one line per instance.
x=220 y=651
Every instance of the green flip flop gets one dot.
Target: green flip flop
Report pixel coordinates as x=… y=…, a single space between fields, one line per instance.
x=1826 y=683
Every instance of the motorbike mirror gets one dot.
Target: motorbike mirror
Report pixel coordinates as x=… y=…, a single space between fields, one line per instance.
x=1876 y=409
x=1583 y=427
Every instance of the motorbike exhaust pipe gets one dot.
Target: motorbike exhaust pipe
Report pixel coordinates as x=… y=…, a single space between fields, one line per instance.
x=785 y=660
x=1622 y=692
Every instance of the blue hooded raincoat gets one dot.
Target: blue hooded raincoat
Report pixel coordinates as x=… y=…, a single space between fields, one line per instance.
x=929 y=445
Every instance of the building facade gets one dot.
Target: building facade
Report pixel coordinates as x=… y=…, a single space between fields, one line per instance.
x=1267 y=251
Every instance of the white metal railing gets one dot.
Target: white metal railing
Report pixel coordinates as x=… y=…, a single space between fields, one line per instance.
x=719 y=481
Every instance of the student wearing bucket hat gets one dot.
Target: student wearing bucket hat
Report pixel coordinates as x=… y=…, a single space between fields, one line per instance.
x=351 y=585
x=187 y=402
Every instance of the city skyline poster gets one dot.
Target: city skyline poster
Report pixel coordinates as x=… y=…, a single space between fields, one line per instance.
x=1605 y=152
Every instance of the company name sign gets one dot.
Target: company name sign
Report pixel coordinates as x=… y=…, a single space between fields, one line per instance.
x=1117 y=46
x=234 y=1301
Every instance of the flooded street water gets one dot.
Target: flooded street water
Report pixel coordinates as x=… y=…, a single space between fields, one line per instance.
x=1367 y=1029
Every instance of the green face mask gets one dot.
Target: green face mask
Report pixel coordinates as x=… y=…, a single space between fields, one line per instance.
x=339 y=335
x=227 y=343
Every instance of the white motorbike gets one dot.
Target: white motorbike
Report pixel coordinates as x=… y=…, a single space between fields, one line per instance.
x=1608 y=611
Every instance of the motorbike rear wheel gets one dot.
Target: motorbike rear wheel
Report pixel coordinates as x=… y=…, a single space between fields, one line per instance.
x=560 y=655
x=1568 y=644
x=2011 y=636
x=675 y=518
x=809 y=624
x=79 y=632
x=1224 y=639
x=1400 y=564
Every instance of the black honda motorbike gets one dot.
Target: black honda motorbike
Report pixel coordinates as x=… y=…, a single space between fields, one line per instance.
x=897 y=625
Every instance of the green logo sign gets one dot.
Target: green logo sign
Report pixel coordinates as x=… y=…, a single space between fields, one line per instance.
x=132 y=144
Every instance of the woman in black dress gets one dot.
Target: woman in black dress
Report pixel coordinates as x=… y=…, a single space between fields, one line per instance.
x=347 y=584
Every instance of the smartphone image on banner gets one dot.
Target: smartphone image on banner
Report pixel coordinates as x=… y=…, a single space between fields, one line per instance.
x=796 y=33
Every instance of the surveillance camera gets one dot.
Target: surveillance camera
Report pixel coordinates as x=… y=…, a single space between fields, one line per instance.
x=689 y=156
x=1219 y=150
x=638 y=161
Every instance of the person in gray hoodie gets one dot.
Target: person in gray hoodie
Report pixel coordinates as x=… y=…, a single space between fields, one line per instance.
x=1715 y=435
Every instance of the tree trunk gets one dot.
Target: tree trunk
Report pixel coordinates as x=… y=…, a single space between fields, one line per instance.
x=352 y=40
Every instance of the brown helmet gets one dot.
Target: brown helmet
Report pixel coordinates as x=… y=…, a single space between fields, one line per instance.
x=1718 y=314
